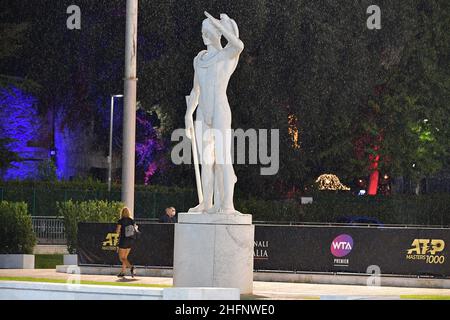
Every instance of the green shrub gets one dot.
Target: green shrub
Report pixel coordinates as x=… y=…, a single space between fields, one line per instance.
x=47 y=171
x=16 y=229
x=87 y=211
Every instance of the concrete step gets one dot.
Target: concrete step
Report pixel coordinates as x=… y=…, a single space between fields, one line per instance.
x=312 y=278
x=50 y=249
x=21 y=290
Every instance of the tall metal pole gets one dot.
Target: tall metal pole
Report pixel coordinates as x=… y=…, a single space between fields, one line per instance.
x=110 y=144
x=129 y=120
x=111 y=122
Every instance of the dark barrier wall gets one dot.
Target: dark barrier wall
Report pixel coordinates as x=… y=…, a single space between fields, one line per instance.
x=353 y=249
x=294 y=248
x=97 y=244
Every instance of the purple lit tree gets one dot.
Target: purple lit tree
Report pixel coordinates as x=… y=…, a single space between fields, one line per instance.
x=149 y=147
x=19 y=128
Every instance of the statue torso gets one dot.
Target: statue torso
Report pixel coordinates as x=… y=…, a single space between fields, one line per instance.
x=213 y=75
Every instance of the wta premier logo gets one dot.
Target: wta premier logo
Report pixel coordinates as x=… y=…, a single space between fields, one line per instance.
x=342 y=245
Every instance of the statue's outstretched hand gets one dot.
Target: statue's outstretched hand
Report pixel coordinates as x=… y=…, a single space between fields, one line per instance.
x=214 y=21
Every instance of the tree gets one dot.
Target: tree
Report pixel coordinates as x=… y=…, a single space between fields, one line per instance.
x=311 y=69
x=414 y=109
x=11 y=38
x=7 y=157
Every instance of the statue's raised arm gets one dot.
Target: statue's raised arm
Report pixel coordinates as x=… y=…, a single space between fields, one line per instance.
x=235 y=46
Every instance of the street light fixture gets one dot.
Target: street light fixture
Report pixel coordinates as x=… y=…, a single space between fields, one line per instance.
x=110 y=139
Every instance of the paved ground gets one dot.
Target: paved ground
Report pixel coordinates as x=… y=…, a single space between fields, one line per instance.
x=266 y=290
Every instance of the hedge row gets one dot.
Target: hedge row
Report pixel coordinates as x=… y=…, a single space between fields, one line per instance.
x=85 y=185
x=150 y=202
x=16 y=229
x=89 y=211
x=405 y=209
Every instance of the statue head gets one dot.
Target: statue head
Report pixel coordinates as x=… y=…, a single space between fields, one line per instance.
x=211 y=35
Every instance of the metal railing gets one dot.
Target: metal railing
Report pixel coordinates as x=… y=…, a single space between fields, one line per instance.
x=49 y=230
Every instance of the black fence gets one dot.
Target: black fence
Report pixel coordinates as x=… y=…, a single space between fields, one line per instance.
x=330 y=207
x=148 y=204
x=303 y=248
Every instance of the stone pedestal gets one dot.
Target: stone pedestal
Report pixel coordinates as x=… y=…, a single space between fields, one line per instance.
x=70 y=259
x=16 y=261
x=214 y=250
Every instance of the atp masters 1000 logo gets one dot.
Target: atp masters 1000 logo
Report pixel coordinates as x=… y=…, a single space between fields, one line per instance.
x=430 y=250
x=111 y=241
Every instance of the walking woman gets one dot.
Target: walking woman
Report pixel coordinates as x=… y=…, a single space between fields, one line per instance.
x=126 y=230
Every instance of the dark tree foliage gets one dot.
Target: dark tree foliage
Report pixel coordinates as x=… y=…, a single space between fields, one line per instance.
x=347 y=88
x=7 y=157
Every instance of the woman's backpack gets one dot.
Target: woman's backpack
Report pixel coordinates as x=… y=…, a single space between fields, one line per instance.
x=131 y=231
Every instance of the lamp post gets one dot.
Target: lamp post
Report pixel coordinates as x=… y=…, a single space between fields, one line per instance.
x=129 y=119
x=110 y=139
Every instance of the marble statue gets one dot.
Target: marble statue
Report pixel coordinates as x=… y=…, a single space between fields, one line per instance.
x=212 y=130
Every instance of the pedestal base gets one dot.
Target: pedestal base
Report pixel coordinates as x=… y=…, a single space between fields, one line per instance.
x=214 y=250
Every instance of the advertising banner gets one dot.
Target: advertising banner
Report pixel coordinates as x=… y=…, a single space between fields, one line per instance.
x=97 y=245
x=402 y=251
